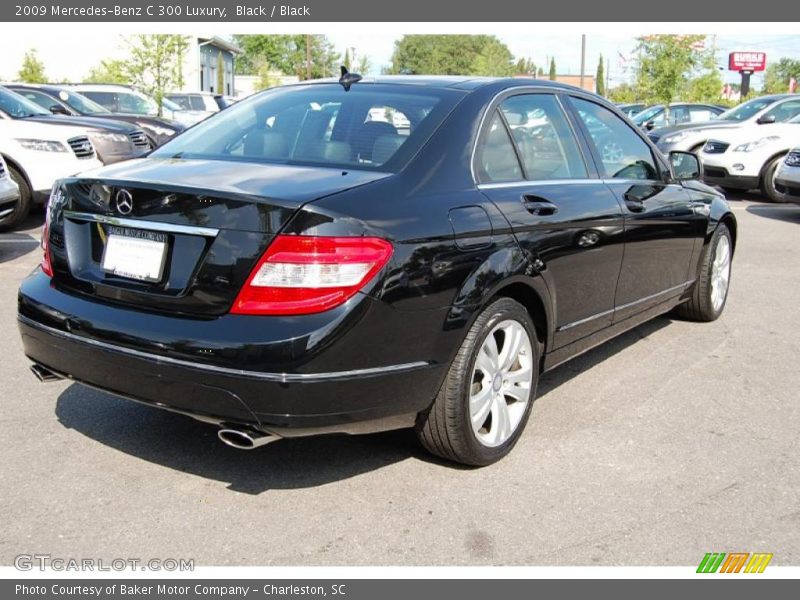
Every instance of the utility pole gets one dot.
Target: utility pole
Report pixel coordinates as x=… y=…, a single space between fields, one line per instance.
x=583 y=56
x=308 y=56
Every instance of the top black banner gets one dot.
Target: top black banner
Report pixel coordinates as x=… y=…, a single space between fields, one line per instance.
x=317 y=11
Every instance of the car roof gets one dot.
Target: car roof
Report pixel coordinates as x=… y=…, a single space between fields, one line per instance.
x=450 y=81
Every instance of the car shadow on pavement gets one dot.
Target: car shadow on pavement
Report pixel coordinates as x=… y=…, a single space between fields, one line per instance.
x=181 y=443
x=789 y=213
x=563 y=373
x=14 y=245
x=184 y=444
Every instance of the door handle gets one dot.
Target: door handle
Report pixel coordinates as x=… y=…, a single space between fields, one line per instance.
x=538 y=206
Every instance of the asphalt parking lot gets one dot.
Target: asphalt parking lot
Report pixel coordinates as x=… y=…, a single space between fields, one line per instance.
x=671 y=441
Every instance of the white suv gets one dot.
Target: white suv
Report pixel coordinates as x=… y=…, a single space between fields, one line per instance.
x=748 y=157
x=36 y=154
x=9 y=191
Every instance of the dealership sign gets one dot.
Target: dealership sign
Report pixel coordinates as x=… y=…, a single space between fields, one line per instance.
x=747 y=61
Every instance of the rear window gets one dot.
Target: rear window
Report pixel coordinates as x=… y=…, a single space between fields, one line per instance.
x=373 y=126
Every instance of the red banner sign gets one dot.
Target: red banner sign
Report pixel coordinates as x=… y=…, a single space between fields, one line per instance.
x=747 y=61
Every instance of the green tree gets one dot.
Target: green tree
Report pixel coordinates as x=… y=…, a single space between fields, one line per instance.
x=347 y=61
x=525 y=66
x=32 y=69
x=109 y=71
x=552 y=69
x=600 y=78
x=364 y=65
x=779 y=74
x=220 y=74
x=665 y=64
x=494 y=60
x=287 y=54
x=155 y=63
x=706 y=85
x=267 y=75
x=624 y=92
x=450 y=55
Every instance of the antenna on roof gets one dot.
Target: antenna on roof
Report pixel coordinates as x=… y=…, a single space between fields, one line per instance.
x=347 y=79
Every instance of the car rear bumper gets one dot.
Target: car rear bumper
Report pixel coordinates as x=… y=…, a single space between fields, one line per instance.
x=360 y=399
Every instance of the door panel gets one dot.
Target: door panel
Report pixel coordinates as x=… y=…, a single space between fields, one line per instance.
x=576 y=243
x=660 y=222
x=660 y=232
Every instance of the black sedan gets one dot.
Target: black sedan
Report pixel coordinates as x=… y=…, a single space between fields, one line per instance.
x=63 y=100
x=360 y=256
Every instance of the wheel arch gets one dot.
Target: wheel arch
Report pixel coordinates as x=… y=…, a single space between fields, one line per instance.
x=16 y=166
x=775 y=155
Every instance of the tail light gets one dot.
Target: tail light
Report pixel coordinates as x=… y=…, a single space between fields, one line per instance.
x=300 y=275
x=46 y=265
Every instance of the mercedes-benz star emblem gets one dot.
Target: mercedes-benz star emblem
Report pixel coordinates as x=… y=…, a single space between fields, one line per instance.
x=124 y=202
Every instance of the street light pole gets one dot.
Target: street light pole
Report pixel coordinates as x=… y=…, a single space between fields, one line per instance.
x=583 y=57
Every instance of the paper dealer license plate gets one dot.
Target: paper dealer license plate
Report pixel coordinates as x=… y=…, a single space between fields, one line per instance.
x=135 y=254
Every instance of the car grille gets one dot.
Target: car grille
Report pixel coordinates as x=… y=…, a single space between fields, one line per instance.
x=139 y=139
x=715 y=147
x=81 y=146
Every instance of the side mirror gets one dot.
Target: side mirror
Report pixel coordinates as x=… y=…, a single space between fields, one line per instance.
x=766 y=119
x=685 y=166
x=57 y=109
x=649 y=125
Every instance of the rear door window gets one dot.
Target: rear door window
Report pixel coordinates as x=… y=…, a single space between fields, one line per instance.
x=545 y=141
x=495 y=157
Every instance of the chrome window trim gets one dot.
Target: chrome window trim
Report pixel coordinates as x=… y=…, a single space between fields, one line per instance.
x=141 y=224
x=259 y=375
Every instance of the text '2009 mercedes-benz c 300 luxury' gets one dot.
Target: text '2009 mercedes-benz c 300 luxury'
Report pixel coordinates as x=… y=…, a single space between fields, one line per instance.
x=365 y=255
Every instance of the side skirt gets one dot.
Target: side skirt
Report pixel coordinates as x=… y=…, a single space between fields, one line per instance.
x=562 y=355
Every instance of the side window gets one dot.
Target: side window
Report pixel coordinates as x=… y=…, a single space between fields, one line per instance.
x=182 y=101
x=700 y=114
x=678 y=115
x=623 y=153
x=547 y=146
x=496 y=159
x=42 y=100
x=785 y=111
x=196 y=103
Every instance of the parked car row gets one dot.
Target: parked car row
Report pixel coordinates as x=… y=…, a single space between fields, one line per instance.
x=52 y=131
x=741 y=148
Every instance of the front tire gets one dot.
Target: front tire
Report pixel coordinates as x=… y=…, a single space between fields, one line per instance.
x=768 y=181
x=710 y=292
x=486 y=399
x=23 y=205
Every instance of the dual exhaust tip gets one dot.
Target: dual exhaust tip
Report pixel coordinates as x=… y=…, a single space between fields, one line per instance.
x=241 y=439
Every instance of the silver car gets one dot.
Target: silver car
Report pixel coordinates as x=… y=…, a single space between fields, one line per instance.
x=787 y=177
x=9 y=191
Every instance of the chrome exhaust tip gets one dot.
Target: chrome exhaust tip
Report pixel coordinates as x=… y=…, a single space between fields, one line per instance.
x=44 y=374
x=245 y=439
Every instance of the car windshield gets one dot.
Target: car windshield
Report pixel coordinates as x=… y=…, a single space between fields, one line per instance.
x=746 y=110
x=372 y=127
x=82 y=104
x=17 y=107
x=647 y=114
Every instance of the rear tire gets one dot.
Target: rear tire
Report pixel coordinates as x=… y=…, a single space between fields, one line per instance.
x=23 y=205
x=708 y=296
x=767 y=185
x=487 y=396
